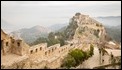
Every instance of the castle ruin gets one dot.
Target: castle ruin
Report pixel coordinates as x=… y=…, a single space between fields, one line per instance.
x=16 y=54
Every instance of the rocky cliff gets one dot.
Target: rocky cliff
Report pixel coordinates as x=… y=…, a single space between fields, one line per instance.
x=86 y=28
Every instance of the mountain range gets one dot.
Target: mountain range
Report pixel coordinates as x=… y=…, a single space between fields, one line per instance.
x=57 y=27
x=109 y=20
x=29 y=35
x=114 y=32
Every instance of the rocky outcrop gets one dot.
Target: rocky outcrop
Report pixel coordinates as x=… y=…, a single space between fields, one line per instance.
x=88 y=28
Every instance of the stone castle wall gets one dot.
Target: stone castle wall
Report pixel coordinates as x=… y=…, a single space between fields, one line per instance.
x=39 y=56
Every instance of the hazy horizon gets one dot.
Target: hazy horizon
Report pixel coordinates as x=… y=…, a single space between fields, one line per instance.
x=26 y=14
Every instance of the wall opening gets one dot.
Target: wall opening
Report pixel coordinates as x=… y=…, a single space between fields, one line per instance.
x=18 y=44
x=31 y=51
x=40 y=48
x=6 y=43
x=52 y=49
x=13 y=41
x=45 y=53
x=36 y=50
x=49 y=51
x=102 y=60
x=62 y=50
x=98 y=30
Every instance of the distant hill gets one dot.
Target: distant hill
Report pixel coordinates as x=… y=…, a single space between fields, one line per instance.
x=109 y=20
x=62 y=29
x=114 y=32
x=31 y=34
x=56 y=27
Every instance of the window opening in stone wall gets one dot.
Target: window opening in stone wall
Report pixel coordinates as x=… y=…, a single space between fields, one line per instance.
x=18 y=44
x=6 y=43
x=13 y=41
x=36 y=50
x=31 y=51
x=40 y=48
x=103 y=60
x=52 y=49
x=45 y=53
x=49 y=51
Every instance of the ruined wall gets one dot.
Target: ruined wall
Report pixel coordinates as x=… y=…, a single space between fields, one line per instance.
x=47 y=57
x=16 y=47
x=40 y=55
x=5 y=43
x=12 y=45
x=37 y=51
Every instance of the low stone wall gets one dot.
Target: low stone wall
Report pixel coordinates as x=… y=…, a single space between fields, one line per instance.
x=39 y=60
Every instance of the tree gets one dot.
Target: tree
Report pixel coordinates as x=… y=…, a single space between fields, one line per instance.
x=39 y=40
x=51 y=35
x=62 y=42
x=68 y=62
x=75 y=57
x=78 y=55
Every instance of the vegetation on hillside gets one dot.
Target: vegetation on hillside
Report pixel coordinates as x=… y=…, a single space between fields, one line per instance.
x=114 y=33
x=53 y=38
x=76 y=57
x=58 y=37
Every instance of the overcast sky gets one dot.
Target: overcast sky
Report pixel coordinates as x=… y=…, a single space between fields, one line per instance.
x=46 y=13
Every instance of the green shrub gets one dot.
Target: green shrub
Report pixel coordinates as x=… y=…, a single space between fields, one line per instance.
x=91 y=49
x=68 y=62
x=76 y=57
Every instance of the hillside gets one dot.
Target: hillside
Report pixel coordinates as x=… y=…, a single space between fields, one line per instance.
x=31 y=34
x=109 y=20
x=80 y=27
x=89 y=29
x=57 y=27
x=114 y=32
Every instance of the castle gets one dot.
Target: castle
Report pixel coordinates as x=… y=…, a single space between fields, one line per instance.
x=15 y=53
x=35 y=54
